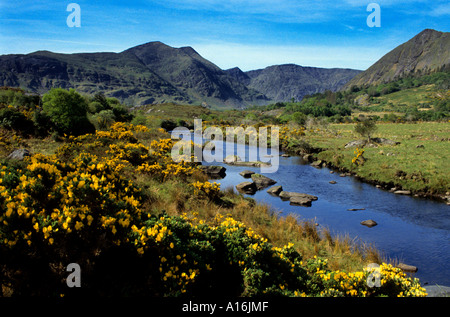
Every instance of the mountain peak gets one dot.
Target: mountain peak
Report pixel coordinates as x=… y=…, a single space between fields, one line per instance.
x=427 y=51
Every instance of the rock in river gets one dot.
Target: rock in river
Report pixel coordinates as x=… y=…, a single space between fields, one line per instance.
x=249 y=164
x=402 y=192
x=369 y=223
x=262 y=181
x=246 y=173
x=232 y=159
x=246 y=188
x=300 y=201
x=275 y=190
x=287 y=195
x=214 y=171
x=407 y=268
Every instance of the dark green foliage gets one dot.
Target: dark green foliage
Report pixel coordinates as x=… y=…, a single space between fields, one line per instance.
x=121 y=113
x=366 y=128
x=67 y=110
x=12 y=119
x=17 y=97
x=168 y=125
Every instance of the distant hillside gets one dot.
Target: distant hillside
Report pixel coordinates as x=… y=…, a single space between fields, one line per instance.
x=284 y=82
x=428 y=51
x=157 y=73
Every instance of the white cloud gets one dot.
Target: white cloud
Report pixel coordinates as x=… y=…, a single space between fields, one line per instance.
x=441 y=10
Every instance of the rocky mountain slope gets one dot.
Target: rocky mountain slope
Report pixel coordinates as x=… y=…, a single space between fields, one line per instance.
x=284 y=82
x=427 y=51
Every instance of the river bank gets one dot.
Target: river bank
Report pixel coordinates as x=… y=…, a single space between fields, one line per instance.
x=390 y=186
x=410 y=229
x=410 y=161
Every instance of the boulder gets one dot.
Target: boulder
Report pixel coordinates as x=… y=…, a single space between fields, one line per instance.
x=275 y=190
x=300 y=201
x=402 y=192
x=356 y=143
x=246 y=173
x=384 y=141
x=262 y=181
x=246 y=188
x=285 y=155
x=317 y=163
x=437 y=290
x=297 y=199
x=332 y=182
x=407 y=268
x=250 y=164
x=18 y=154
x=373 y=141
x=213 y=171
x=232 y=159
x=308 y=157
x=369 y=223
x=287 y=195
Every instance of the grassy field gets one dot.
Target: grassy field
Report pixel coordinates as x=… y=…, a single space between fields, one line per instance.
x=419 y=163
x=407 y=97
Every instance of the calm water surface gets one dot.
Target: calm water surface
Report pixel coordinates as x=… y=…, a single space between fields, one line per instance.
x=413 y=230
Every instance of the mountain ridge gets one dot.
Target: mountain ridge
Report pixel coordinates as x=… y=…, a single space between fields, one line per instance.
x=152 y=72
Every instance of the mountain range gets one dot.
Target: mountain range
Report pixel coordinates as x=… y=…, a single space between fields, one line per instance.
x=156 y=73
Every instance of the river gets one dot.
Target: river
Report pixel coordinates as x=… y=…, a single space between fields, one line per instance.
x=415 y=231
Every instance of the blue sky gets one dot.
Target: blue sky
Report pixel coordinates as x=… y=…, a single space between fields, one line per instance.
x=250 y=34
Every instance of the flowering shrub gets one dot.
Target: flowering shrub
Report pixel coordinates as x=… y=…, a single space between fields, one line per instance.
x=193 y=258
x=392 y=281
x=359 y=158
x=206 y=189
x=50 y=198
x=164 y=166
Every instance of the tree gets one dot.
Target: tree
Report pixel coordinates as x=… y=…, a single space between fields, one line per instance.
x=366 y=128
x=67 y=110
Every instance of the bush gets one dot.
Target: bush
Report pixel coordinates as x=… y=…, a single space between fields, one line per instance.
x=12 y=119
x=168 y=125
x=366 y=128
x=121 y=113
x=103 y=119
x=67 y=110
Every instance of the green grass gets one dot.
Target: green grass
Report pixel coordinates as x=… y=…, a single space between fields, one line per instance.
x=408 y=97
x=423 y=170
